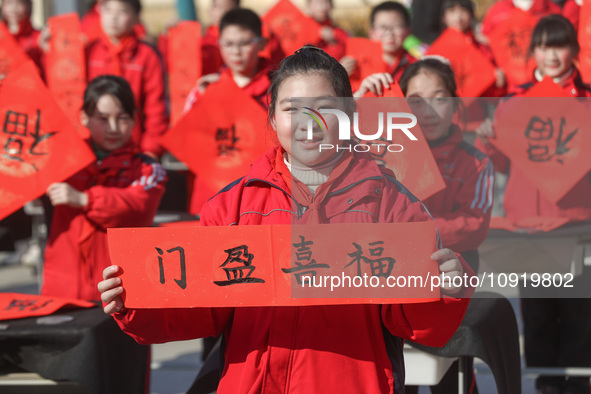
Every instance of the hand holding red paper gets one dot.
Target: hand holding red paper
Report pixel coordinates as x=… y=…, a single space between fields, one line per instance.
x=203 y=266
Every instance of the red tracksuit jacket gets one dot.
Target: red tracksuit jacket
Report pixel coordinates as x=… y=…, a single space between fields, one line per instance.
x=316 y=349
x=522 y=199
x=124 y=190
x=141 y=65
x=462 y=210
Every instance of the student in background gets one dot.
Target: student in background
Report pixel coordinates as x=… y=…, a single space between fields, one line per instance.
x=556 y=331
x=459 y=15
x=390 y=25
x=16 y=16
x=241 y=42
x=333 y=39
x=121 y=189
x=91 y=24
x=119 y=51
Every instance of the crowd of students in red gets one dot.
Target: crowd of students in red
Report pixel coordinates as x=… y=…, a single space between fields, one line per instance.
x=233 y=49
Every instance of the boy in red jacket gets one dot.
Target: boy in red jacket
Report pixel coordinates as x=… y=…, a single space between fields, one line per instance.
x=16 y=15
x=119 y=52
x=241 y=42
x=390 y=25
x=122 y=189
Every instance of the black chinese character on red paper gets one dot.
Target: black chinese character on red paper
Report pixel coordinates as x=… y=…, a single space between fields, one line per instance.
x=30 y=305
x=305 y=264
x=226 y=140
x=544 y=143
x=16 y=127
x=382 y=266
x=238 y=267
x=182 y=283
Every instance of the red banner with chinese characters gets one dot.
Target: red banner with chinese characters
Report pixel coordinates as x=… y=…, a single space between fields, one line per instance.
x=584 y=64
x=38 y=144
x=473 y=71
x=184 y=60
x=220 y=138
x=19 y=306
x=275 y=265
x=547 y=139
x=11 y=55
x=291 y=26
x=510 y=44
x=368 y=55
x=66 y=66
x=411 y=160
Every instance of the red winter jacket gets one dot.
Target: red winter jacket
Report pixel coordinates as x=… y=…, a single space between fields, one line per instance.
x=501 y=10
x=92 y=29
x=522 y=199
x=141 y=65
x=124 y=190
x=257 y=89
x=462 y=210
x=27 y=39
x=315 y=349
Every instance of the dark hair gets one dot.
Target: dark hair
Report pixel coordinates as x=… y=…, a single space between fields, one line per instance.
x=112 y=85
x=466 y=4
x=309 y=60
x=433 y=65
x=554 y=31
x=390 y=6
x=243 y=18
x=136 y=5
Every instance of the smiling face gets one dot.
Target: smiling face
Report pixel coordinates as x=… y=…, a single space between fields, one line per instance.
x=117 y=18
x=431 y=103
x=553 y=61
x=290 y=121
x=110 y=126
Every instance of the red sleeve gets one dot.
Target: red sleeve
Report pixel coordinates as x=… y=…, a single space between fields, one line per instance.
x=499 y=160
x=154 y=110
x=467 y=227
x=132 y=206
x=147 y=326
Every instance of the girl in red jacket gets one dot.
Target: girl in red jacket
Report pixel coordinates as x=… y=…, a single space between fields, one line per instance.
x=319 y=348
x=16 y=15
x=556 y=331
x=462 y=210
x=122 y=189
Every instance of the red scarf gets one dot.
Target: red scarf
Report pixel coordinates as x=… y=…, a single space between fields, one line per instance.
x=301 y=193
x=124 y=45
